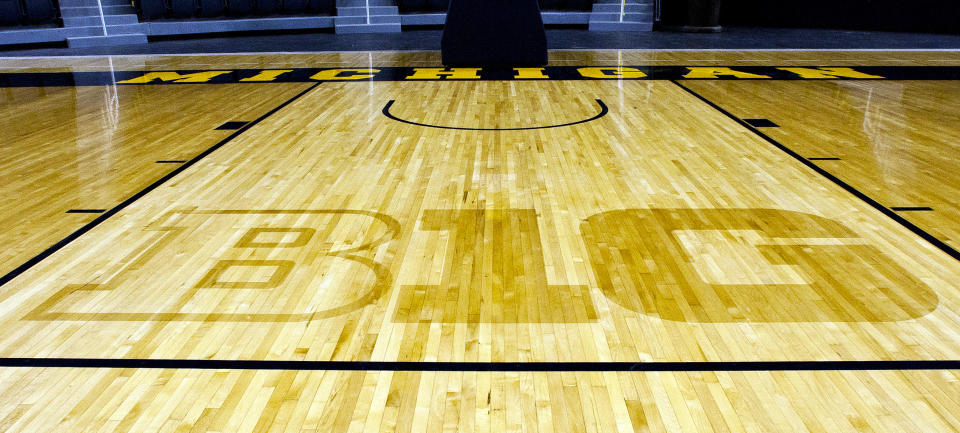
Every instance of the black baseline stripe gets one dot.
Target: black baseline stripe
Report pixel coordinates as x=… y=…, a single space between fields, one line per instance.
x=113 y=211
x=603 y=112
x=886 y=211
x=171 y=161
x=824 y=159
x=211 y=364
x=910 y=208
x=86 y=211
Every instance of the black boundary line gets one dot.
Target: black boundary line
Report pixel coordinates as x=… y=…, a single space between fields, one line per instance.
x=910 y=208
x=761 y=123
x=113 y=211
x=876 y=205
x=231 y=125
x=213 y=364
x=86 y=211
x=603 y=112
x=825 y=158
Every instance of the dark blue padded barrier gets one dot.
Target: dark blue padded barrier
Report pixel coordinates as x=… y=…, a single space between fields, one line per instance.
x=294 y=6
x=494 y=33
x=156 y=9
x=579 y=5
x=151 y=9
x=924 y=16
x=322 y=6
x=40 y=11
x=266 y=7
x=437 y=5
x=240 y=7
x=212 y=8
x=552 y=5
x=9 y=12
x=411 y=6
x=182 y=8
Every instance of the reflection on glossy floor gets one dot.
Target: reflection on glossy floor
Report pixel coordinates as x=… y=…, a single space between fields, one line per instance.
x=660 y=230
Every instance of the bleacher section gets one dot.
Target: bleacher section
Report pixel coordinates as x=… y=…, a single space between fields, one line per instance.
x=152 y=10
x=27 y=12
x=124 y=24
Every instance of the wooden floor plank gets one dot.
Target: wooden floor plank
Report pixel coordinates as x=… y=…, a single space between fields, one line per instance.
x=662 y=231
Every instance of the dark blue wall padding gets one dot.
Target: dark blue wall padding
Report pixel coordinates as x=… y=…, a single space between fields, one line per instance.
x=294 y=5
x=40 y=11
x=212 y=8
x=182 y=8
x=494 y=33
x=926 y=16
x=267 y=6
x=240 y=7
x=437 y=5
x=9 y=12
x=151 y=9
x=407 y=6
x=321 y=6
x=551 y=4
x=579 y=5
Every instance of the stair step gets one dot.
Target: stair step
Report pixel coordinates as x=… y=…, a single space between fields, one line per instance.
x=111 y=20
x=79 y=11
x=100 y=41
x=78 y=3
x=119 y=10
x=374 y=10
x=374 y=19
x=90 y=11
x=368 y=28
x=615 y=17
x=94 y=3
x=86 y=31
x=615 y=8
x=363 y=3
x=124 y=29
x=616 y=26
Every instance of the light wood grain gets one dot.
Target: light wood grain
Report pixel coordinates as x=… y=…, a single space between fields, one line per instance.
x=92 y=147
x=115 y=400
x=897 y=140
x=663 y=231
x=684 y=229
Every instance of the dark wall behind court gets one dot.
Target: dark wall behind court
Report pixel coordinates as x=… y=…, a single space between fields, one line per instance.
x=931 y=16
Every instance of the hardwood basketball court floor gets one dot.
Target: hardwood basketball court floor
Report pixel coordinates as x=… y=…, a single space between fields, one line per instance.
x=364 y=242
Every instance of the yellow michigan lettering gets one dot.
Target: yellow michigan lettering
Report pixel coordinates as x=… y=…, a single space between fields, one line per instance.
x=716 y=72
x=829 y=73
x=339 y=74
x=174 y=77
x=441 y=73
x=611 y=72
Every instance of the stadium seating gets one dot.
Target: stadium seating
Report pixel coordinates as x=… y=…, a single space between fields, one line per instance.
x=40 y=11
x=9 y=13
x=240 y=7
x=185 y=9
x=267 y=7
x=412 y=6
x=212 y=8
x=327 y=7
x=182 y=8
x=294 y=6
